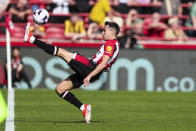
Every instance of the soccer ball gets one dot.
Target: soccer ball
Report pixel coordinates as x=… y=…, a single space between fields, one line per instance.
x=40 y=16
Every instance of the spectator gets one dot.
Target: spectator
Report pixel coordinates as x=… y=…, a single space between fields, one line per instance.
x=94 y=31
x=60 y=6
x=155 y=2
x=146 y=9
x=20 y=11
x=17 y=67
x=74 y=27
x=115 y=17
x=171 y=7
x=175 y=31
x=123 y=6
x=3 y=7
x=136 y=23
x=37 y=4
x=81 y=5
x=153 y=26
x=189 y=3
x=101 y=9
x=142 y=1
x=112 y=17
x=191 y=22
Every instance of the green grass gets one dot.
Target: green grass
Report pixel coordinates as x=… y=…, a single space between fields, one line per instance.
x=43 y=110
x=4 y=92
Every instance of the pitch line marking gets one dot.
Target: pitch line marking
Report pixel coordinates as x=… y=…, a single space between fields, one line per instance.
x=9 y=125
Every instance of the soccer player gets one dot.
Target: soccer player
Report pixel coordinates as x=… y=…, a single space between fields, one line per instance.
x=86 y=70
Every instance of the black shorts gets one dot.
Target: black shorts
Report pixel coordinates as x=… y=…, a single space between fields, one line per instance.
x=82 y=70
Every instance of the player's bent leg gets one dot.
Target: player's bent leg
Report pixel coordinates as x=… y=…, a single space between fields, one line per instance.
x=65 y=85
x=63 y=90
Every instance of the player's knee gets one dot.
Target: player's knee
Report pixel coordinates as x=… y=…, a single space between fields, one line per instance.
x=59 y=89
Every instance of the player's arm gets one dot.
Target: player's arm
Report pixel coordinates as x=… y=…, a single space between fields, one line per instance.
x=28 y=11
x=100 y=66
x=97 y=70
x=13 y=11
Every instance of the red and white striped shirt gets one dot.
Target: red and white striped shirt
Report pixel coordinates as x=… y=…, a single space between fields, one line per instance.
x=110 y=48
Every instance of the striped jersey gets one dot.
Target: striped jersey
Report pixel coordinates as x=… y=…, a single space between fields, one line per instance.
x=110 y=48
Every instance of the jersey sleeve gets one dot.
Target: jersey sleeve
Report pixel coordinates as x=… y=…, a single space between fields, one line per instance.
x=109 y=48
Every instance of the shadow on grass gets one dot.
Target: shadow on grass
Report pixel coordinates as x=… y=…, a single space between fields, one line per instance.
x=53 y=121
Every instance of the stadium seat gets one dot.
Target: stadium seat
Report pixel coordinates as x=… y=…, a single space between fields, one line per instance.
x=56 y=36
x=54 y=30
x=18 y=35
x=20 y=30
x=55 y=33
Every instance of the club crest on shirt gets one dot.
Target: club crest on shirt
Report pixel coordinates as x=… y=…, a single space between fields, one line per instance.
x=109 y=48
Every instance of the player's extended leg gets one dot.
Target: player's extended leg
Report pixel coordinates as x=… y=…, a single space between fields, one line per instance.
x=63 y=90
x=50 y=49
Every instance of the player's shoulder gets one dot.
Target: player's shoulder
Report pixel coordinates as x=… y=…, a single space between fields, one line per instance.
x=112 y=42
x=111 y=45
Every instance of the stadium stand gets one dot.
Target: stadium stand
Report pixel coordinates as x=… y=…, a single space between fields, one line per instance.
x=55 y=31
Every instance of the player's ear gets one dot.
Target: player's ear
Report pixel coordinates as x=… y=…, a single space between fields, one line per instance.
x=113 y=32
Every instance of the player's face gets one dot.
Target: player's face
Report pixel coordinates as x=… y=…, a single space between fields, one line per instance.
x=107 y=32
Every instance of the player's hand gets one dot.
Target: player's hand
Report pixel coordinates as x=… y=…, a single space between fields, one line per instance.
x=86 y=81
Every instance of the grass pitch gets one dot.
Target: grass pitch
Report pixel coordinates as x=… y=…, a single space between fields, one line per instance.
x=43 y=110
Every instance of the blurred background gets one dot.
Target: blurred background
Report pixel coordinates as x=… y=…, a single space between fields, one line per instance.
x=157 y=41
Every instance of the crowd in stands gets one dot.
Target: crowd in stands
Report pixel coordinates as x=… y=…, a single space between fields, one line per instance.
x=78 y=20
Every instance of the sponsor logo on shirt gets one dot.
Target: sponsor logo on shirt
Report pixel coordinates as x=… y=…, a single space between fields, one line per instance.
x=108 y=49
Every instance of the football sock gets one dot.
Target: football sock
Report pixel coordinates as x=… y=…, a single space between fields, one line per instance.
x=32 y=39
x=82 y=107
x=50 y=49
x=68 y=96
